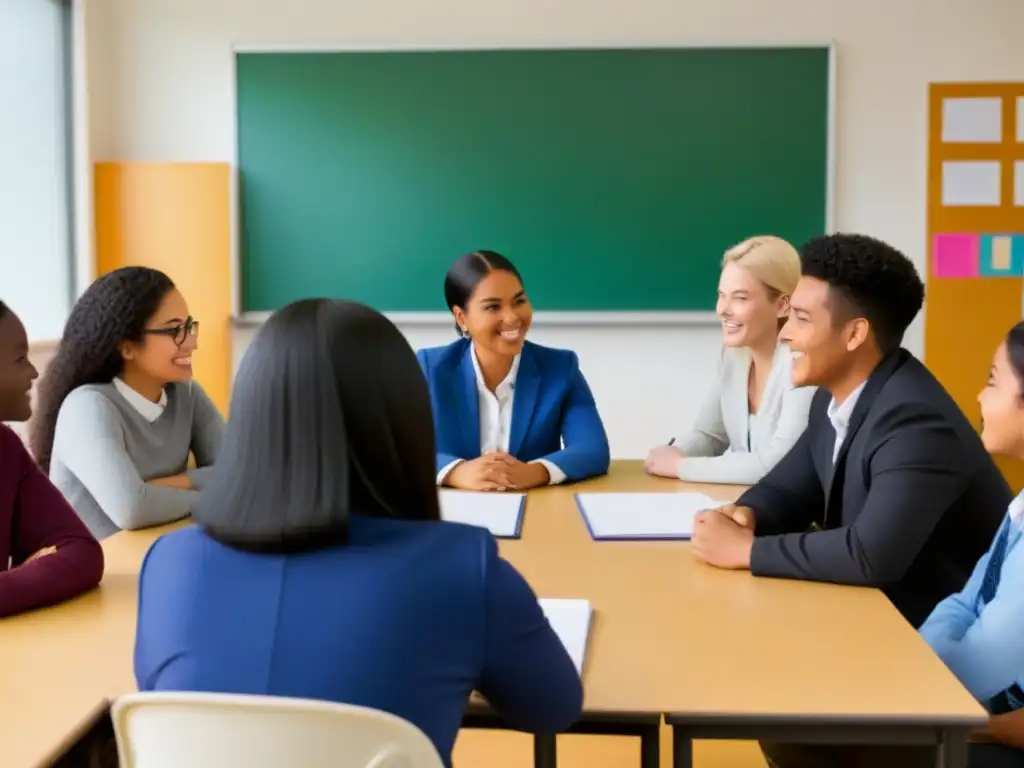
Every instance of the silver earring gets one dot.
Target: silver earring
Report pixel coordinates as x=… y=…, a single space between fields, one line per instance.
x=465 y=333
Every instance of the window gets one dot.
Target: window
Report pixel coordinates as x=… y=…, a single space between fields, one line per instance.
x=36 y=274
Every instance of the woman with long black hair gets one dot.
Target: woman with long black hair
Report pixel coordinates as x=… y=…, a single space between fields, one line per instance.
x=320 y=567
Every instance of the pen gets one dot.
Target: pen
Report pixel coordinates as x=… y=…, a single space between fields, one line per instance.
x=671 y=441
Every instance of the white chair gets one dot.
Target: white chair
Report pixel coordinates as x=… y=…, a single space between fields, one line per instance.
x=212 y=730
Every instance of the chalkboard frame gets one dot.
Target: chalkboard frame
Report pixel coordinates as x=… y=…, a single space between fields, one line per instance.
x=244 y=318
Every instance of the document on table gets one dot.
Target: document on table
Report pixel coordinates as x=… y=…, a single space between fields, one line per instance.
x=500 y=513
x=571 y=621
x=642 y=515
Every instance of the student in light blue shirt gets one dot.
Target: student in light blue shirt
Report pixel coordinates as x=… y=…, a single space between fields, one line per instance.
x=977 y=632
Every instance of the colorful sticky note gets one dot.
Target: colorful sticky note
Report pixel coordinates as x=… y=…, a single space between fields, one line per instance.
x=1001 y=256
x=955 y=255
x=998 y=251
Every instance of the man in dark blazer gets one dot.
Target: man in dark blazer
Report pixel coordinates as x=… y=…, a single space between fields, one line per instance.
x=890 y=485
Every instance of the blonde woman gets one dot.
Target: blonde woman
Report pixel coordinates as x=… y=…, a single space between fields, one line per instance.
x=755 y=414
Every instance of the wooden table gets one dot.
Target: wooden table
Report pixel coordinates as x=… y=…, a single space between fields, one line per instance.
x=62 y=665
x=728 y=655
x=724 y=654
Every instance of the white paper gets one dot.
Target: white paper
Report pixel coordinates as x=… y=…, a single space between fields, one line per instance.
x=571 y=621
x=973 y=120
x=970 y=182
x=1018 y=183
x=497 y=512
x=1020 y=118
x=643 y=515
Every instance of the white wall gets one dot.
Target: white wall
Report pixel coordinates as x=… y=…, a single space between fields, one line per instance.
x=160 y=89
x=35 y=255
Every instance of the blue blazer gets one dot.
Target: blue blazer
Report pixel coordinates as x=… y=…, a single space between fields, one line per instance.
x=552 y=403
x=408 y=617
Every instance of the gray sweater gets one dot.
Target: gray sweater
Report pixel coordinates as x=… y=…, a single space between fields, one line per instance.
x=104 y=451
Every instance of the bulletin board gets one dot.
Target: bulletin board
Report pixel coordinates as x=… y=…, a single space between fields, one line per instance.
x=975 y=280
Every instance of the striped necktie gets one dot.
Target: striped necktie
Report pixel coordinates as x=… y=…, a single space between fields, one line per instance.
x=1013 y=697
x=990 y=583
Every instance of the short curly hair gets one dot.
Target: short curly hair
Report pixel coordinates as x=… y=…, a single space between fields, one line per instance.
x=867 y=278
x=113 y=309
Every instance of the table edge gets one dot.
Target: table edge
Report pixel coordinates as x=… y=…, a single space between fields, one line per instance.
x=772 y=720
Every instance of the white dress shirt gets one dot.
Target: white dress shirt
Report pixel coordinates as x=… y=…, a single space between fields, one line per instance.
x=496 y=420
x=840 y=415
x=149 y=410
x=1017 y=510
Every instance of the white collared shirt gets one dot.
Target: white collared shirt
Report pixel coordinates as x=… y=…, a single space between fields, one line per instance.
x=1017 y=510
x=840 y=415
x=149 y=410
x=495 y=410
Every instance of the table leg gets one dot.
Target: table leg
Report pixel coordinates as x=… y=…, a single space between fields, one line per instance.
x=650 y=747
x=952 y=751
x=545 y=754
x=682 y=747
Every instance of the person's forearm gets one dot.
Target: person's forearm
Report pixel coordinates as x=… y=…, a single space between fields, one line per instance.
x=537 y=476
x=182 y=482
x=155 y=504
x=836 y=556
x=74 y=568
x=445 y=473
x=199 y=476
x=701 y=445
x=1007 y=729
x=733 y=468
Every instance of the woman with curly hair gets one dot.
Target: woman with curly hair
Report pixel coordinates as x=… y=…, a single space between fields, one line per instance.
x=118 y=410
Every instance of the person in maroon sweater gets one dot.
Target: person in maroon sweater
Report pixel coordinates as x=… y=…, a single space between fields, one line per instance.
x=46 y=554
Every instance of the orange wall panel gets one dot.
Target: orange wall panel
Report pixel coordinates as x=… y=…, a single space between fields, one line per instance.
x=175 y=217
x=967 y=317
x=971 y=319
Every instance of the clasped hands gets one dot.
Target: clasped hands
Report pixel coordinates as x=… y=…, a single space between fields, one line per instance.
x=497 y=471
x=724 y=536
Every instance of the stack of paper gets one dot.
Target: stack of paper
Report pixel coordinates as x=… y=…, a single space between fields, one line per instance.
x=571 y=621
x=500 y=513
x=642 y=515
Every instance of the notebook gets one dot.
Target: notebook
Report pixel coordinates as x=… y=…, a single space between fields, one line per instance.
x=571 y=621
x=631 y=516
x=500 y=513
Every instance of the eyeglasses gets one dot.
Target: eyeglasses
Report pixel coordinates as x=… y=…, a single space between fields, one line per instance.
x=177 y=332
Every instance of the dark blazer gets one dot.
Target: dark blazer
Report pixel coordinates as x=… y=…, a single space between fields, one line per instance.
x=409 y=617
x=912 y=503
x=552 y=405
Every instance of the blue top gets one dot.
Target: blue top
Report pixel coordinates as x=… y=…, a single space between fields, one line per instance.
x=977 y=631
x=407 y=617
x=552 y=404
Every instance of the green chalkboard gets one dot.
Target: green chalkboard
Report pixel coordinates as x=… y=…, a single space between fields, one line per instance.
x=614 y=179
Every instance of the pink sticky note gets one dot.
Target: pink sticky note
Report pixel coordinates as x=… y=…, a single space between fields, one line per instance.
x=955 y=255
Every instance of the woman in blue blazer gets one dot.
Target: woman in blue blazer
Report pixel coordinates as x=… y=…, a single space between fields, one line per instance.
x=508 y=414
x=320 y=568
